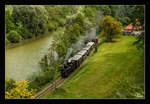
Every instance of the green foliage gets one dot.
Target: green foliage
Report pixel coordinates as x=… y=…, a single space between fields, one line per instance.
x=128 y=80
x=9 y=21
x=91 y=14
x=33 y=18
x=105 y=9
x=128 y=10
x=26 y=34
x=14 y=37
x=140 y=42
x=52 y=26
x=138 y=14
x=45 y=77
x=128 y=89
x=125 y=20
x=112 y=28
x=61 y=48
x=57 y=16
x=113 y=9
x=20 y=90
x=9 y=84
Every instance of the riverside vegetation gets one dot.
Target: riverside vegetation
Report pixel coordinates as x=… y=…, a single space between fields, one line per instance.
x=72 y=26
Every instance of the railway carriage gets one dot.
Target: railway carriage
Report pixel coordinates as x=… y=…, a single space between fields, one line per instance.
x=74 y=62
x=83 y=53
x=77 y=59
x=91 y=45
x=87 y=48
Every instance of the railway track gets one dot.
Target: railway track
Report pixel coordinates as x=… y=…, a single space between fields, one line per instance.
x=50 y=87
x=60 y=80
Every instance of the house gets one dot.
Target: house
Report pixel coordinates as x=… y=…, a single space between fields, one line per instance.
x=130 y=30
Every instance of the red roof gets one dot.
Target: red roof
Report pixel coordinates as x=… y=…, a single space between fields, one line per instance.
x=130 y=27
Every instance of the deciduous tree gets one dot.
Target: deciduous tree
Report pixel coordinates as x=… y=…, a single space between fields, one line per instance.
x=112 y=28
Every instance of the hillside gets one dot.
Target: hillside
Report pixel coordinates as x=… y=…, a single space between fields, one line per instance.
x=115 y=70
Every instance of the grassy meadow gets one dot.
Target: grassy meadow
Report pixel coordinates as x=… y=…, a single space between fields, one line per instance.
x=116 y=70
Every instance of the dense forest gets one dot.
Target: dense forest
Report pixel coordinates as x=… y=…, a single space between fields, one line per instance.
x=23 y=22
x=72 y=26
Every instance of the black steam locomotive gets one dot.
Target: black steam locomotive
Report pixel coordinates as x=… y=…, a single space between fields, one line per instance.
x=74 y=62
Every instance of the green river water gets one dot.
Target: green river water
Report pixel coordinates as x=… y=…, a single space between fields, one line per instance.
x=22 y=61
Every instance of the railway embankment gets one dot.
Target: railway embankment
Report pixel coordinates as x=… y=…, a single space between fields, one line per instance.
x=61 y=80
x=114 y=71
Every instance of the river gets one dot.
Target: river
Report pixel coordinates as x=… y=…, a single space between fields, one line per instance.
x=22 y=61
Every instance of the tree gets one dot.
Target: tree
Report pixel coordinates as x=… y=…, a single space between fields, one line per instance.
x=105 y=9
x=34 y=18
x=9 y=20
x=126 y=21
x=18 y=89
x=53 y=57
x=138 y=15
x=114 y=9
x=112 y=28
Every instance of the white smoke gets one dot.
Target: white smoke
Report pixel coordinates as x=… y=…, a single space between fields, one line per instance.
x=53 y=55
x=69 y=51
x=90 y=34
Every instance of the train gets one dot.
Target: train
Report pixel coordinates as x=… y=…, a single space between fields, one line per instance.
x=74 y=62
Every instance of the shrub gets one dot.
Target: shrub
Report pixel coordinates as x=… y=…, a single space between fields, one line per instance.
x=14 y=37
x=45 y=76
x=21 y=90
x=9 y=84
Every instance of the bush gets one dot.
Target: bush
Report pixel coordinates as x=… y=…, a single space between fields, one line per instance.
x=47 y=75
x=9 y=84
x=14 y=37
x=19 y=90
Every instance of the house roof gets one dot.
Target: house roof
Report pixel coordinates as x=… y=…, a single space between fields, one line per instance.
x=130 y=26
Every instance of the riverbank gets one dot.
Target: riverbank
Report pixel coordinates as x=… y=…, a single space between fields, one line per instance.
x=13 y=45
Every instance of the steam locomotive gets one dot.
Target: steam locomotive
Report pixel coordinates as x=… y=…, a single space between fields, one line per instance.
x=74 y=62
